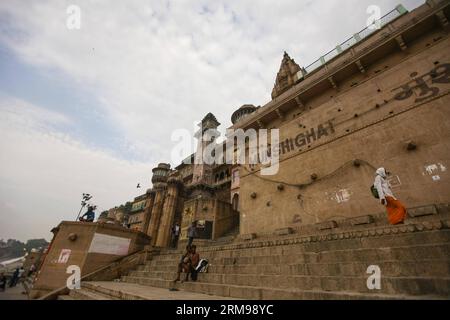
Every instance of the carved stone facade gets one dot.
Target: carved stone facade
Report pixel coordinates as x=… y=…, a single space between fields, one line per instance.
x=192 y=192
x=313 y=230
x=379 y=103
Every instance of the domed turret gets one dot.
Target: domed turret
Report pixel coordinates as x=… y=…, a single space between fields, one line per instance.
x=242 y=112
x=160 y=173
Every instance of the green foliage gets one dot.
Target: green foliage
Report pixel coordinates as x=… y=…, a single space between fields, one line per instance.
x=104 y=214
x=14 y=248
x=126 y=208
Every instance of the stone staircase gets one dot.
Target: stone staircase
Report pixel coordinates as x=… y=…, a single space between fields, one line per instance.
x=414 y=260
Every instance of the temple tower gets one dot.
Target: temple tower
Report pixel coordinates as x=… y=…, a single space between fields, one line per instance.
x=170 y=206
x=148 y=208
x=287 y=76
x=206 y=135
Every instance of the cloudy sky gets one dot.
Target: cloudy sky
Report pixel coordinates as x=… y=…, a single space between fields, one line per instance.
x=92 y=110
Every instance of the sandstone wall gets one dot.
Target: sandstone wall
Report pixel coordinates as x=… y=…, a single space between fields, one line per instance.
x=371 y=118
x=78 y=251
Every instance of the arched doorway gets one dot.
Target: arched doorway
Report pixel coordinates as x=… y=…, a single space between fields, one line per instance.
x=235 y=202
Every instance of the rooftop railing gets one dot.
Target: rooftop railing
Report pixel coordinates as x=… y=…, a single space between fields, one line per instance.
x=375 y=26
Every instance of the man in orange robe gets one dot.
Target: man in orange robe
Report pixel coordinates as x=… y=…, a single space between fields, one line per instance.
x=395 y=209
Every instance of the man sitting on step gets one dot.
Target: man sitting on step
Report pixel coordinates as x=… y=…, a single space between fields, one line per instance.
x=185 y=264
x=195 y=259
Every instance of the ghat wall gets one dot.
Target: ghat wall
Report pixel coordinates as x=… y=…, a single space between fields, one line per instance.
x=371 y=116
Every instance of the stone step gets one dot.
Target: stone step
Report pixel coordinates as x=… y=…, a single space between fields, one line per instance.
x=83 y=294
x=65 y=297
x=111 y=293
x=357 y=283
x=417 y=252
x=133 y=291
x=436 y=268
x=314 y=244
x=266 y=293
x=426 y=267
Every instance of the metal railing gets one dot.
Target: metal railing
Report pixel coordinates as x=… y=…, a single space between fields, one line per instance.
x=375 y=26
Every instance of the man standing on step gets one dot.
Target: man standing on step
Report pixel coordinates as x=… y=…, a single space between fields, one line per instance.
x=395 y=209
x=175 y=234
x=192 y=232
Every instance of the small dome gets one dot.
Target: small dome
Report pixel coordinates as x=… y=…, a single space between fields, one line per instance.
x=160 y=172
x=242 y=112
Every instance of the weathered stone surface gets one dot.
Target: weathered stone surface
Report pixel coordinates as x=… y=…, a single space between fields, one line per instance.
x=326 y=225
x=422 y=211
x=330 y=259
x=248 y=236
x=413 y=264
x=284 y=231
x=361 y=220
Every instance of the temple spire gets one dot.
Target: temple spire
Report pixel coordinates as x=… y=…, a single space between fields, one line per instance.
x=287 y=75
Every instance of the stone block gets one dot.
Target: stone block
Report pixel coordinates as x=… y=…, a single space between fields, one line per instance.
x=422 y=211
x=326 y=225
x=248 y=236
x=368 y=219
x=246 y=293
x=284 y=231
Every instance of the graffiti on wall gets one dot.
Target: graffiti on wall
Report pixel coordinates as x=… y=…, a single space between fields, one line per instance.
x=419 y=85
x=342 y=196
x=64 y=256
x=434 y=170
x=394 y=181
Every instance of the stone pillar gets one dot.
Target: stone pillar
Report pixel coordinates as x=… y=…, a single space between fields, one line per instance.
x=159 y=181
x=148 y=210
x=155 y=216
x=169 y=209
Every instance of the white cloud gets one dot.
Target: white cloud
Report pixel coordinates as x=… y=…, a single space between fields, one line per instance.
x=155 y=66
x=159 y=65
x=44 y=172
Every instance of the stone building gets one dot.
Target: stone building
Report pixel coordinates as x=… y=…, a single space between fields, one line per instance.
x=377 y=100
x=137 y=214
x=117 y=215
x=192 y=192
x=381 y=103
x=313 y=229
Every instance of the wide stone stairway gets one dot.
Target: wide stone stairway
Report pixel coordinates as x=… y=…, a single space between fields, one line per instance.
x=413 y=259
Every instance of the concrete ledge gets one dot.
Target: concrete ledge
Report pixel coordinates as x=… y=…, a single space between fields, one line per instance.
x=422 y=211
x=248 y=236
x=284 y=231
x=368 y=219
x=326 y=225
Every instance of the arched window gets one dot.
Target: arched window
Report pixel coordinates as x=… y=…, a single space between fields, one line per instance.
x=235 y=202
